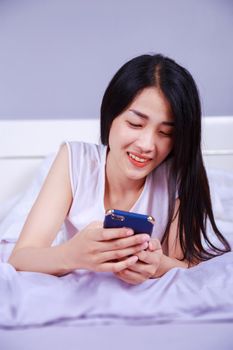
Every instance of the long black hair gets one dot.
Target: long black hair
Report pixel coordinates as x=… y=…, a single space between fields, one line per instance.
x=187 y=171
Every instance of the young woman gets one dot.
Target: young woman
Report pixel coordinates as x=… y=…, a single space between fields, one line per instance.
x=149 y=162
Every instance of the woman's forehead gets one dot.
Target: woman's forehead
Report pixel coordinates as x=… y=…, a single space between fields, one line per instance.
x=151 y=104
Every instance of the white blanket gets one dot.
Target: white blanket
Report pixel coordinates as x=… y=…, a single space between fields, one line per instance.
x=202 y=293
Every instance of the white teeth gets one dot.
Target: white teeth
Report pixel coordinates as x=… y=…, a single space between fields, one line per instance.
x=137 y=159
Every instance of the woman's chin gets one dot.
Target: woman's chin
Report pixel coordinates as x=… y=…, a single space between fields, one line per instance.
x=136 y=175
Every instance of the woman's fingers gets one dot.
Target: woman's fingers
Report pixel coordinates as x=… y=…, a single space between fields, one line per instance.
x=119 y=254
x=109 y=234
x=122 y=243
x=150 y=258
x=130 y=276
x=118 y=266
x=114 y=238
x=144 y=269
x=147 y=264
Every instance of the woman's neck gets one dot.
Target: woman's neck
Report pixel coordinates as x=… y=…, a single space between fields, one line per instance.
x=120 y=192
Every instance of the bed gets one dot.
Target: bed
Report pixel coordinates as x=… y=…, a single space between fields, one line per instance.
x=185 y=308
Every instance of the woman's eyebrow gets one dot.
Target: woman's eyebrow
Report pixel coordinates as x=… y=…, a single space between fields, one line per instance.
x=168 y=123
x=140 y=114
x=144 y=116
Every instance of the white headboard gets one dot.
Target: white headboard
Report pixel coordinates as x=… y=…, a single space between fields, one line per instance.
x=24 y=143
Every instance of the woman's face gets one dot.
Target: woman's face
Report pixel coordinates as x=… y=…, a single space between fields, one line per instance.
x=141 y=137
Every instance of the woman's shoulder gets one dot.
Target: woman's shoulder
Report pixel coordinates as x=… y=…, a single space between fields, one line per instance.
x=85 y=160
x=87 y=150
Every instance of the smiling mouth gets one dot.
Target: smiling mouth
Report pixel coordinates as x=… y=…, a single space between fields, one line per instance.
x=138 y=161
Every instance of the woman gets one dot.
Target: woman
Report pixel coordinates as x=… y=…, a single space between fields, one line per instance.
x=149 y=162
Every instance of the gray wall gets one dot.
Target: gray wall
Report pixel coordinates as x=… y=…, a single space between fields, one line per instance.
x=57 y=56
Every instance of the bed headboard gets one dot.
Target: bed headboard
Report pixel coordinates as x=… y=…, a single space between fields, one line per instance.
x=24 y=143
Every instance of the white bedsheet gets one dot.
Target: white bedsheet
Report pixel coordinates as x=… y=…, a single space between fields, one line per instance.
x=202 y=293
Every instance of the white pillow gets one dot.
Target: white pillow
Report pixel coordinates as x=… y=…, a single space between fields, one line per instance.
x=15 y=210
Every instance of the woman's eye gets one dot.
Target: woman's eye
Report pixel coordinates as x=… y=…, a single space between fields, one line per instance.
x=134 y=125
x=165 y=133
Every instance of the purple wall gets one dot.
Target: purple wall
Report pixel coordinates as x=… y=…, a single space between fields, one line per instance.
x=56 y=57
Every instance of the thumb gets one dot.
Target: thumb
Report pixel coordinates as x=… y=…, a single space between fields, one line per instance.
x=95 y=224
x=154 y=244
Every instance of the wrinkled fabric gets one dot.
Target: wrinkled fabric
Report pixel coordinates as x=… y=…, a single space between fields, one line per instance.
x=201 y=293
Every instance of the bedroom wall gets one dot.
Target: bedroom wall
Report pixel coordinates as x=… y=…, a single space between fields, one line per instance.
x=57 y=56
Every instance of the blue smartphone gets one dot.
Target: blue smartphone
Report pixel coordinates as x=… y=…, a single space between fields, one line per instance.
x=140 y=223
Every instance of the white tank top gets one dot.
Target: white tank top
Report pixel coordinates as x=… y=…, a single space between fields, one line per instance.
x=87 y=175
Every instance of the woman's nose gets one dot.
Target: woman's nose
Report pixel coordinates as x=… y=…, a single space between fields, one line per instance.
x=147 y=142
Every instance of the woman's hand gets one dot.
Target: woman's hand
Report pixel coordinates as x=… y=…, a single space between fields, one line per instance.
x=104 y=250
x=146 y=266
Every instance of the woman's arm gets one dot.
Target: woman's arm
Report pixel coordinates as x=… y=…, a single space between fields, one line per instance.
x=50 y=260
x=33 y=251
x=174 y=254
